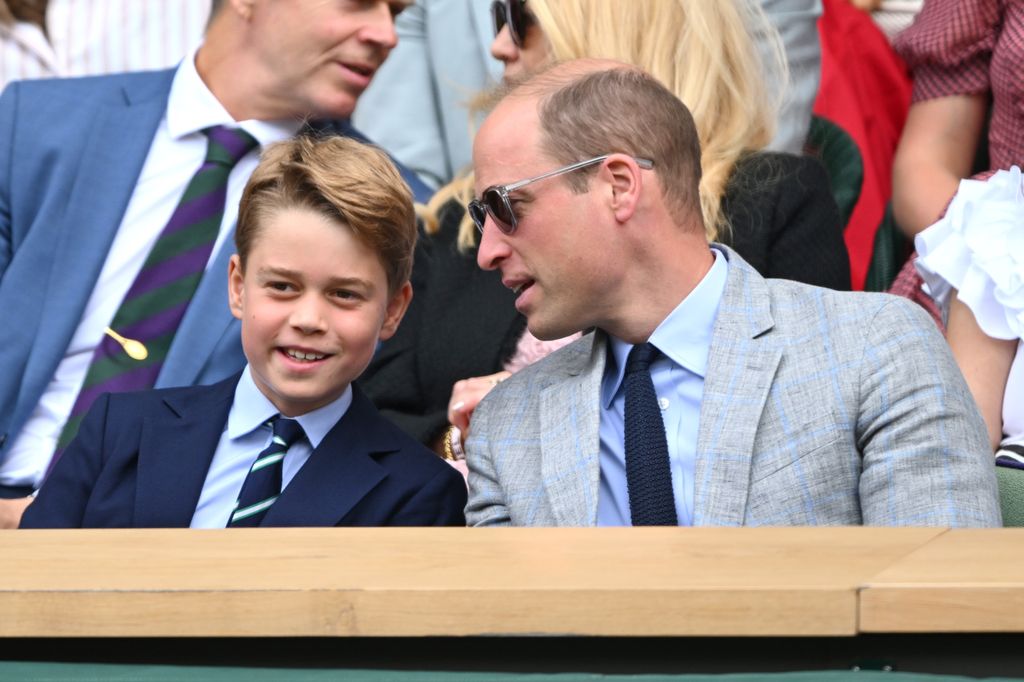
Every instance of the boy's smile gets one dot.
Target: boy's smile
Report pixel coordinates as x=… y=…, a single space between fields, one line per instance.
x=313 y=301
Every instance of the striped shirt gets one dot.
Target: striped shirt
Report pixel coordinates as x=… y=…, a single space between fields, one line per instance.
x=92 y=37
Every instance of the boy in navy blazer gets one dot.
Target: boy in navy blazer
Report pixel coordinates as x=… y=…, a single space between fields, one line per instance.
x=325 y=237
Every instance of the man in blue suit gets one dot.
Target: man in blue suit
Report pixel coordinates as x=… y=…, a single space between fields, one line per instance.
x=92 y=169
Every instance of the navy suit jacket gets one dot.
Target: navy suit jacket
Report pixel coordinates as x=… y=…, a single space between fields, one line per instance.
x=70 y=154
x=140 y=460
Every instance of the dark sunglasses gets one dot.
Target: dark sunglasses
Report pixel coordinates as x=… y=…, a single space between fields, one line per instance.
x=515 y=14
x=495 y=202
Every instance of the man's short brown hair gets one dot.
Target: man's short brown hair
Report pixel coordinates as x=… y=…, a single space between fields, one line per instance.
x=622 y=110
x=350 y=182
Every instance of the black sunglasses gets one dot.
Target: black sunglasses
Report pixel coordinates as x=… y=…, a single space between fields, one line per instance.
x=515 y=14
x=495 y=201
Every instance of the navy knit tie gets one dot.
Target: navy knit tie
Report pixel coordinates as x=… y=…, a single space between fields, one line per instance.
x=648 y=475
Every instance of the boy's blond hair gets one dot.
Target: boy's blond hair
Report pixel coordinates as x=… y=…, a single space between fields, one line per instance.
x=345 y=180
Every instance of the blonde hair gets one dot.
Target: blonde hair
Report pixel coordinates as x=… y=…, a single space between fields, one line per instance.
x=703 y=51
x=352 y=183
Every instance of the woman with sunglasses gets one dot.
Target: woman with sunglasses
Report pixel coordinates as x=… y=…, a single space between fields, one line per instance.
x=776 y=210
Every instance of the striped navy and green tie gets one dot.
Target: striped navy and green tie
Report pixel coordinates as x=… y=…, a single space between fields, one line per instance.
x=262 y=485
x=156 y=302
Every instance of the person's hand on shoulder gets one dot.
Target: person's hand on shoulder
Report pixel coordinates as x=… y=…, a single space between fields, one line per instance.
x=467 y=394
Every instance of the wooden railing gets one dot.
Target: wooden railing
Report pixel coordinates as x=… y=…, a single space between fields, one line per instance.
x=411 y=582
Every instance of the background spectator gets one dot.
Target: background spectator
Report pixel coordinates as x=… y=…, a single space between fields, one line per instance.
x=92 y=37
x=417 y=107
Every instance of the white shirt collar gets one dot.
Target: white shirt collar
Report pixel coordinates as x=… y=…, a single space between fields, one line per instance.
x=684 y=336
x=191 y=107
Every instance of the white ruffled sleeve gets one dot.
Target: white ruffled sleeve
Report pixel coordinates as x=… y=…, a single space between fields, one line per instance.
x=977 y=248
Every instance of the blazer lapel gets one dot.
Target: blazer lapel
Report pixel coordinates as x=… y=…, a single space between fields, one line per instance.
x=741 y=368
x=339 y=473
x=569 y=442
x=175 y=451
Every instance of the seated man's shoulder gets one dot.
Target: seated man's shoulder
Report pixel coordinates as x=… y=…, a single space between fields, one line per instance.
x=48 y=101
x=795 y=303
x=554 y=368
x=89 y=86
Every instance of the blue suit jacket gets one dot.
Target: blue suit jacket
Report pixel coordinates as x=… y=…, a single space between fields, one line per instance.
x=140 y=460
x=70 y=154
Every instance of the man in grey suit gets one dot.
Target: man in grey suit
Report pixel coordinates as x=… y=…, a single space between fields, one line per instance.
x=781 y=403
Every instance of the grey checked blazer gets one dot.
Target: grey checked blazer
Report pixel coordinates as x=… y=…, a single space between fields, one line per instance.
x=819 y=408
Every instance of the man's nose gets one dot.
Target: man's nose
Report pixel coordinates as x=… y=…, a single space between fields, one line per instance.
x=379 y=26
x=493 y=246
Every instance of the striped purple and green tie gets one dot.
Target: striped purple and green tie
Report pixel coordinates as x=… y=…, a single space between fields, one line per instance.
x=156 y=302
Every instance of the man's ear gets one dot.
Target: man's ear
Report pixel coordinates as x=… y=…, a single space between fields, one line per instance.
x=625 y=183
x=397 y=306
x=236 y=286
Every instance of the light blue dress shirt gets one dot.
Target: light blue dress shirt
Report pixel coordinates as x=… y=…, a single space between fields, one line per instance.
x=244 y=438
x=684 y=339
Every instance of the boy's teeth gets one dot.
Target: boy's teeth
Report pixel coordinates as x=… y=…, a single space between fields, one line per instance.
x=299 y=355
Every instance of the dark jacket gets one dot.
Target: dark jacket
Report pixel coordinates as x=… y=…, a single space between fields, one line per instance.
x=140 y=461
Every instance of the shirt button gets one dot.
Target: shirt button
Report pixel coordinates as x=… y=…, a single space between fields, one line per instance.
x=663 y=403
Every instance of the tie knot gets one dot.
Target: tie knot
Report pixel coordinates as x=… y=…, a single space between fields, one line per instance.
x=227 y=146
x=286 y=431
x=641 y=357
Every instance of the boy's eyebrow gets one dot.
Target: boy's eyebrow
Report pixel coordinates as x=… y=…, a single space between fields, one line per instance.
x=334 y=281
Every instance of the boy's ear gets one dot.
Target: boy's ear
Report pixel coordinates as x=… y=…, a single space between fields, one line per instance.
x=236 y=288
x=397 y=306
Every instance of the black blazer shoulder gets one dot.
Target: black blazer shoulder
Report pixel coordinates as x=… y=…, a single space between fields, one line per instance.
x=784 y=220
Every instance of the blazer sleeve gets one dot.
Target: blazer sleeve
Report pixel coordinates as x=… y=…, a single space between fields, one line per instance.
x=486 y=505
x=62 y=500
x=926 y=456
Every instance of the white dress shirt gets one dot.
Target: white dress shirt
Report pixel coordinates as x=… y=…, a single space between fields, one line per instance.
x=684 y=339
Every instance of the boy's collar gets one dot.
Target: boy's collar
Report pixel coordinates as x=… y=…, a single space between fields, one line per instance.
x=251 y=409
